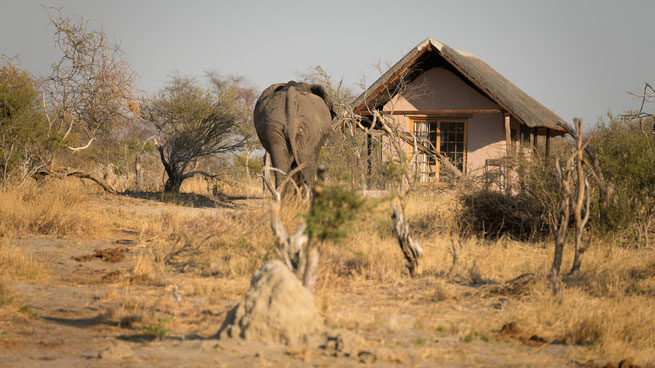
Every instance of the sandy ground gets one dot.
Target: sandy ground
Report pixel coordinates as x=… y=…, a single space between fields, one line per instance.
x=89 y=314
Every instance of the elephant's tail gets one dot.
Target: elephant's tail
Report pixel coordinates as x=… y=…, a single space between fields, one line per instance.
x=292 y=121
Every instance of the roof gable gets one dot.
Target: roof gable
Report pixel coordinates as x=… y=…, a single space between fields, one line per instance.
x=487 y=80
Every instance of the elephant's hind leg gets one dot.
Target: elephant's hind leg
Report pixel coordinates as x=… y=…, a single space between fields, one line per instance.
x=281 y=159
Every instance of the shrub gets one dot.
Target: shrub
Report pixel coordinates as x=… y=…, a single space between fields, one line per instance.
x=22 y=125
x=492 y=214
x=626 y=152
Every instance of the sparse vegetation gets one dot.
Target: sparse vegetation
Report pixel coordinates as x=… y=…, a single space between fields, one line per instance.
x=192 y=122
x=187 y=257
x=159 y=330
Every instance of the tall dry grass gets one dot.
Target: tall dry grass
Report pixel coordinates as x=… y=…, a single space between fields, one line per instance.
x=227 y=244
x=58 y=207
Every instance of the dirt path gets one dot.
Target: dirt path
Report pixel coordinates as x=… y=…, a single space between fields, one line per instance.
x=90 y=314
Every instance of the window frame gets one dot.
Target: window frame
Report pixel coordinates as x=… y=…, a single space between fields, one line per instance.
x=438 y=121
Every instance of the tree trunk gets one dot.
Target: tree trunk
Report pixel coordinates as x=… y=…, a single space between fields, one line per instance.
x=560 y=238
x=577 y=211
x=175 y=177
x=564 y=212
x=247 y=161
x=173 y=183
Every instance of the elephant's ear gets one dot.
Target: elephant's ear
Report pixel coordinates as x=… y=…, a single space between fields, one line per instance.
x=270 y=90
x=320 y=91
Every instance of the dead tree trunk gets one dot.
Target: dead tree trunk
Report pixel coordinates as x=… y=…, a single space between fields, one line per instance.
x=410 y=248
x=583 y=190
x=594 y=165
x=564 y=214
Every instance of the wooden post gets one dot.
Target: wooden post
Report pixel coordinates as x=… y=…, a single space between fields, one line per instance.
x=535 y=140
x=547 y=143
x=508 y=147
x=368 y=160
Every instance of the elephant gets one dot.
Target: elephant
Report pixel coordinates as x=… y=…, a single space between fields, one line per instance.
x=293 y=121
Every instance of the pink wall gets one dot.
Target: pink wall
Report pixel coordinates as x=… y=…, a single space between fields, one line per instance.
x=440 y=89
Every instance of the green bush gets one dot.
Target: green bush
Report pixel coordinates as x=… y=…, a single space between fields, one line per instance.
x=23 y=129
x=331 y=213
x=626 y=152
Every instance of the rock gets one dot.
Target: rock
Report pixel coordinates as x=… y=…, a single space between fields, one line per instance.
x=116 y=352
x=276 y=308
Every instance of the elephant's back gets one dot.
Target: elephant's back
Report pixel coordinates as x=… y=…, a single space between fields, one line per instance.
x=270 y=108
x=273 y=107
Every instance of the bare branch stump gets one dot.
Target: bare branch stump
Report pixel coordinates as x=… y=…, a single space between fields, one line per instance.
x=410 y=248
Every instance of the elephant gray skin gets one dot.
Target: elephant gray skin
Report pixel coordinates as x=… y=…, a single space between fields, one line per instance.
x=292 y=121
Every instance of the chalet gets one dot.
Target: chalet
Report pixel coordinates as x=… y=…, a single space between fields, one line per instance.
x=468 y=111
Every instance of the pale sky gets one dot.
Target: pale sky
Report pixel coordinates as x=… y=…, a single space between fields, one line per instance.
x=578 y=58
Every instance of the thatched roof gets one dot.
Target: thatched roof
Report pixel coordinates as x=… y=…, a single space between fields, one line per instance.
x=473 y=70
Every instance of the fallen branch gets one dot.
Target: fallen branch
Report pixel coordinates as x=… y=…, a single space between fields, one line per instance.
x=63 y=172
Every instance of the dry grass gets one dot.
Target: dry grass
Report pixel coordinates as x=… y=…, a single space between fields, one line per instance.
x=240 y=188
x=609 y=309
x=58 y=207
x=609 y=306
x=9 y=303
x=16 y=264
x=223 y=245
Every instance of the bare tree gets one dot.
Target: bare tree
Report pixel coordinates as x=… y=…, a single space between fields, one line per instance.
x=564 y=211
x=90 y=87
x=570 y=193
x=593 y=164
x=192 y=122
x=244 y=97
x=581 y=194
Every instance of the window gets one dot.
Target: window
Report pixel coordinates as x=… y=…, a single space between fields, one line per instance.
x=449 y=137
